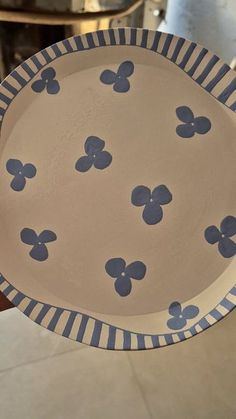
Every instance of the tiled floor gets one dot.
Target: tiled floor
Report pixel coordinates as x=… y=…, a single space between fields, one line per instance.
x=195 y=379
x=44 y=376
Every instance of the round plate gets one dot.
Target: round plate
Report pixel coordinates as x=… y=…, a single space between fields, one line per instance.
x=118 y=188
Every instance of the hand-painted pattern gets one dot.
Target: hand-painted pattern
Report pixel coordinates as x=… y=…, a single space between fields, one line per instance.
x=213 y=235
x=152 y=202
x=181 y=316
x=223 y=94
x=192 y=125
x=47 y=82
x=123 y=274
x=119 y=80
x=96 y=156
x=20 y=172
x=39 y=250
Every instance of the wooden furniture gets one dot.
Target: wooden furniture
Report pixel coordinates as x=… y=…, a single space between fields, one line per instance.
x=4 y=303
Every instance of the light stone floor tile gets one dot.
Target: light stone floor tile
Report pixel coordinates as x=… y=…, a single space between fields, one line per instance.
x=83 y=384
x=195 y=379
x=22 y=340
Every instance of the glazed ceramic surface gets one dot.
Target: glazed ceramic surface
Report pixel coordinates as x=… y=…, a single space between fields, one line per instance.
x=117 y=186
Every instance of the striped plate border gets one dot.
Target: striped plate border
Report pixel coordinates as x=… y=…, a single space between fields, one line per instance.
x=217 y=79
x=91 y=331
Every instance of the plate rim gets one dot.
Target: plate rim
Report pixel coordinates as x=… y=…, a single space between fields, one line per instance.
x=158 y=42
x=98 y=336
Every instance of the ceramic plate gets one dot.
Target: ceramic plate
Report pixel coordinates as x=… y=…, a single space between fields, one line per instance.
x=117 y=188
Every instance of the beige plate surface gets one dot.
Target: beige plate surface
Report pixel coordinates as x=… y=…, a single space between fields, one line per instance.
x=117 y=188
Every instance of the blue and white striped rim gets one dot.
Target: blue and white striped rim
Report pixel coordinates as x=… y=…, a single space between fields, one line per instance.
x=221 y=84
x=89 y=330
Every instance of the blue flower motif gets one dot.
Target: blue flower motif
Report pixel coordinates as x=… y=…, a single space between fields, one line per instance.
x=180 y=316
x=226 y=246
x=117 y=268
x=120 y=79
x=95 y=155
x=20 y=172
x=47 y=82
x=192 y=125
x=152 y=201
x=39 y=250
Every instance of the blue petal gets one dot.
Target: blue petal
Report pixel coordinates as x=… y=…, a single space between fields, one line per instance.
x=185 y=130
x=47 y=236
x=29 y=170
x=84 y=163
x=228 y=226
x=175 y=309
x=190 y=312
x=121 y=85
x=48 y=74
x=38 y=85
x=28 y=236
x=14 y=166
x=126 y=69
x=93 y=145
x=227 y=247
x=123 y=286
x=176 y=323
x=102 y=160
x=140 y=195
x=162 y=195
x=152 y=213
x=212 y=234
x=114 y=267
x=185 y=114
x=202 y=125
x=136 y=270
x=53 y=87
x=18 y=183
x=39 y=252
x=108 y=77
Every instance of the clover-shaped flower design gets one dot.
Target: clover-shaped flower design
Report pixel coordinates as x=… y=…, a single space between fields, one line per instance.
x=20 y=172
x=117 y=268
x=39 y=250
x=47 y=82
x=226 y=246
x=180 y=316
x=95 y=155
x=120 y=79
x=152 y=201
x=192 y=125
